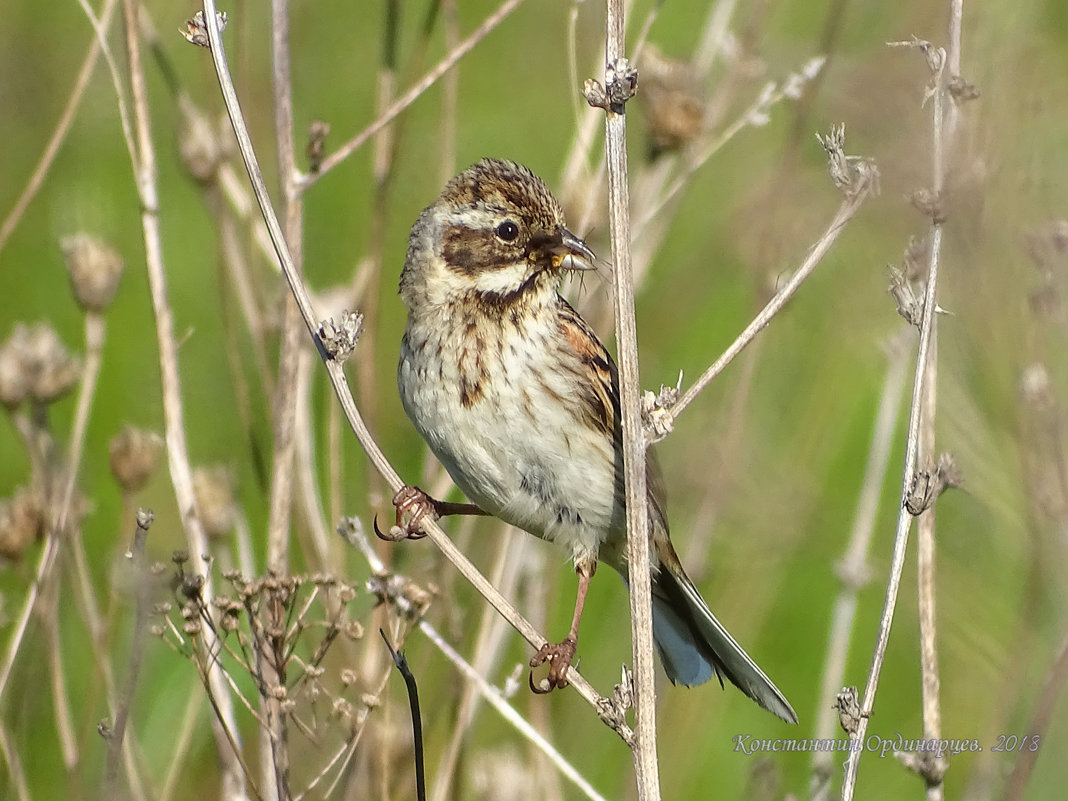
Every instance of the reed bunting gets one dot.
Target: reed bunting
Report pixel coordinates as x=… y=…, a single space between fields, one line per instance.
x=519 y=400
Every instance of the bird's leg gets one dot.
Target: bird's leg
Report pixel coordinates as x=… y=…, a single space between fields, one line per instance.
x=561 y=654
x=415 y=503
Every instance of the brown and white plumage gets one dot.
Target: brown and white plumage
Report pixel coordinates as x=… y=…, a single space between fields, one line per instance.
x=520 y=401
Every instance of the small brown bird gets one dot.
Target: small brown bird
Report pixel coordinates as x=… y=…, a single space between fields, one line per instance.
x=517 y=397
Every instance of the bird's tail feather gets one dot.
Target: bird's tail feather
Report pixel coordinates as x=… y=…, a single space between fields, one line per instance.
x=694 y=645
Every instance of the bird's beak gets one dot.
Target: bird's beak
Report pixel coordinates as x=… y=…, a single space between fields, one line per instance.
x=571 y=253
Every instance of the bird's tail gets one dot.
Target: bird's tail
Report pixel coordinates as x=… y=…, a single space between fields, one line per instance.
x=694 y=646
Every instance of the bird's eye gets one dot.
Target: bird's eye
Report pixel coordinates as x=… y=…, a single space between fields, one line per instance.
x=507 y=231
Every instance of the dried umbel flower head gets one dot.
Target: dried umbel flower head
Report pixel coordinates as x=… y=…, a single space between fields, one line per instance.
x=671 y=102
x=22 y=520
x=214 y=489
x=134 y=454
x=35 y=364
x=95 y=269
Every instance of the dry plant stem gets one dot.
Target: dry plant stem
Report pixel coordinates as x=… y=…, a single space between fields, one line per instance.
x=68 y=742
x=340 y=384
x=852 y=569
x=450 y=95
x=281 y=494
x=179 y=748
x=144 y=163
x=44 y=568
x=714 y=36
x=409 y=97
x=695 y=162
x=925 y=579
x=382 y=172
x=274 y=745
x=309 y=498
x=355 y=789
x=505 y=576
x=95 y=335
x=494 y=697
x=1045 y=707
x=14 y=765
x=638 y=562
x=904 y=523
x=485 y=690
x=94 y=344
x=943 y=131
x=94 y=341
x=904 y=520
x=844 y=214
x=117 y=742
x=29 y=192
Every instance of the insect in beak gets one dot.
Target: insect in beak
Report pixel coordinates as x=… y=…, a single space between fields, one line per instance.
x=571 y=253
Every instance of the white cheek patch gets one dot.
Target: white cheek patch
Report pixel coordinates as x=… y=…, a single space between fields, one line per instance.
x=504 y=279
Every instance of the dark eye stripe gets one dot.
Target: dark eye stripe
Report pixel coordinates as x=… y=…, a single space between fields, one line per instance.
x=470 y=251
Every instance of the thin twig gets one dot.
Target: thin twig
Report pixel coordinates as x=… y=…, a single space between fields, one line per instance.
x=409 y=97
x=638 y=532
x=908 y=473
x=77 y=94
x=932 y=768
x=68 y=741
x=486 y=691
x=510 y=559
x=845 y=213
x=852 y=569
x=274 y=744
x=1045 y=707
x=141 y=576
x=281 y=491
x=14 y=765
x=144 y=167
x=178 y=749
x=309 y=495
x=944 y=126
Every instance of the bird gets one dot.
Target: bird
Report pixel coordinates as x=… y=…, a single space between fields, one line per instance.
x=519 y=400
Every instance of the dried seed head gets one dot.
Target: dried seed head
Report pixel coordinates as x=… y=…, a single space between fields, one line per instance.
x=95 y=269
x=201 y=144
x=35 y=363
x=196 y=29
x=847 y=702
x=855 y=176
x=14 y=380
x=134 y=455
x=671 y=101
x=22 y=520
x=214 y=489
x=339 y=339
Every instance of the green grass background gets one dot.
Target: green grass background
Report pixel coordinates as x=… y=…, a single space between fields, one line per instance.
x=777 y=481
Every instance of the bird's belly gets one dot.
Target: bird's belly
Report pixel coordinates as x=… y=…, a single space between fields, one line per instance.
x=520 y=453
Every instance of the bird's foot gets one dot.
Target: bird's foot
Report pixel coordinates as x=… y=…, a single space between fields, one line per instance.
x=416 y=505
x=559 y=655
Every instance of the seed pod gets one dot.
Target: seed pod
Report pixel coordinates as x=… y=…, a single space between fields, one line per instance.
x=95 y=269
x=134 y=454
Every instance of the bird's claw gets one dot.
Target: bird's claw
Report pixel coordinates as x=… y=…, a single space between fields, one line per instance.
x=395 y=533
x=417 y=505
x=560 y=656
